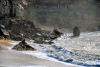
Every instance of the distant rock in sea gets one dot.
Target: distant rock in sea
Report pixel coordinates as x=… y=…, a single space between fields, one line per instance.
x=76 y=32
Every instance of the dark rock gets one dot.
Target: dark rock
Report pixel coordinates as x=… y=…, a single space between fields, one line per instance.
x=46 y=37
x=23 y=46
x=23 y=29
x=55 y=34
x=3 y=35
x=76 y=32
x=16 y=37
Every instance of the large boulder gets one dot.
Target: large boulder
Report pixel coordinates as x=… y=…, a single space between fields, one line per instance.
x=23 y=46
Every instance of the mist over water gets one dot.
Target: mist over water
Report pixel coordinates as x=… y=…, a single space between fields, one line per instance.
x=82 y=13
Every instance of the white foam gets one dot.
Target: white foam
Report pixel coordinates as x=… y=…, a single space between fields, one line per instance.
x=87 y=42
x=39 y=55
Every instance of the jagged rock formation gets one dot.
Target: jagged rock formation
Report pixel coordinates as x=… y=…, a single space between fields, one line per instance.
x=22 y=29
x=55 y=34
x=46 y=37
x=23 y=46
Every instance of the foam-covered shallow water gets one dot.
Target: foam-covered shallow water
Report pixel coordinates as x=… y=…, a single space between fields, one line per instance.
x=83 y=50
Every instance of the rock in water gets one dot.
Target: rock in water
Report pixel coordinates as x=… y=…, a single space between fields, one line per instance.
x=23 y=46
x=76 y=32
x=55 y=34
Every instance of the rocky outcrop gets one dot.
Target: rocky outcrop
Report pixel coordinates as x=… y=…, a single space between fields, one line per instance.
x=76 y=32
x=19 y=29
x=46 y=37
x=23 y=46
x=22 y=29
x=55 y=34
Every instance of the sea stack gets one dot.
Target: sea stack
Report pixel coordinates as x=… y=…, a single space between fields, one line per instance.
x=76 y=31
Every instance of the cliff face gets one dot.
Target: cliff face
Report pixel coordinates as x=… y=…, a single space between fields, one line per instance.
x=60 y=13
x=82 y=13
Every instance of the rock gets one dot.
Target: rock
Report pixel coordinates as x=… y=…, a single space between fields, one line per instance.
x=18 y=30
x=2 y=26
x=23 y=46
x=39 y=40
x=46 y=37
x=16 y=37
x=76 y=32
x=3 y=35
x=55 y=34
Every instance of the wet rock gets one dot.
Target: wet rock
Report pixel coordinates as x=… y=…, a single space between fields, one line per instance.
x=46 y=37
x=55 y=34
x=76 y=32
x=42 y=40
x=23 y=46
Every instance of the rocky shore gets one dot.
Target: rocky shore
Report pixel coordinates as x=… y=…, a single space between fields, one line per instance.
x=18 y=30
